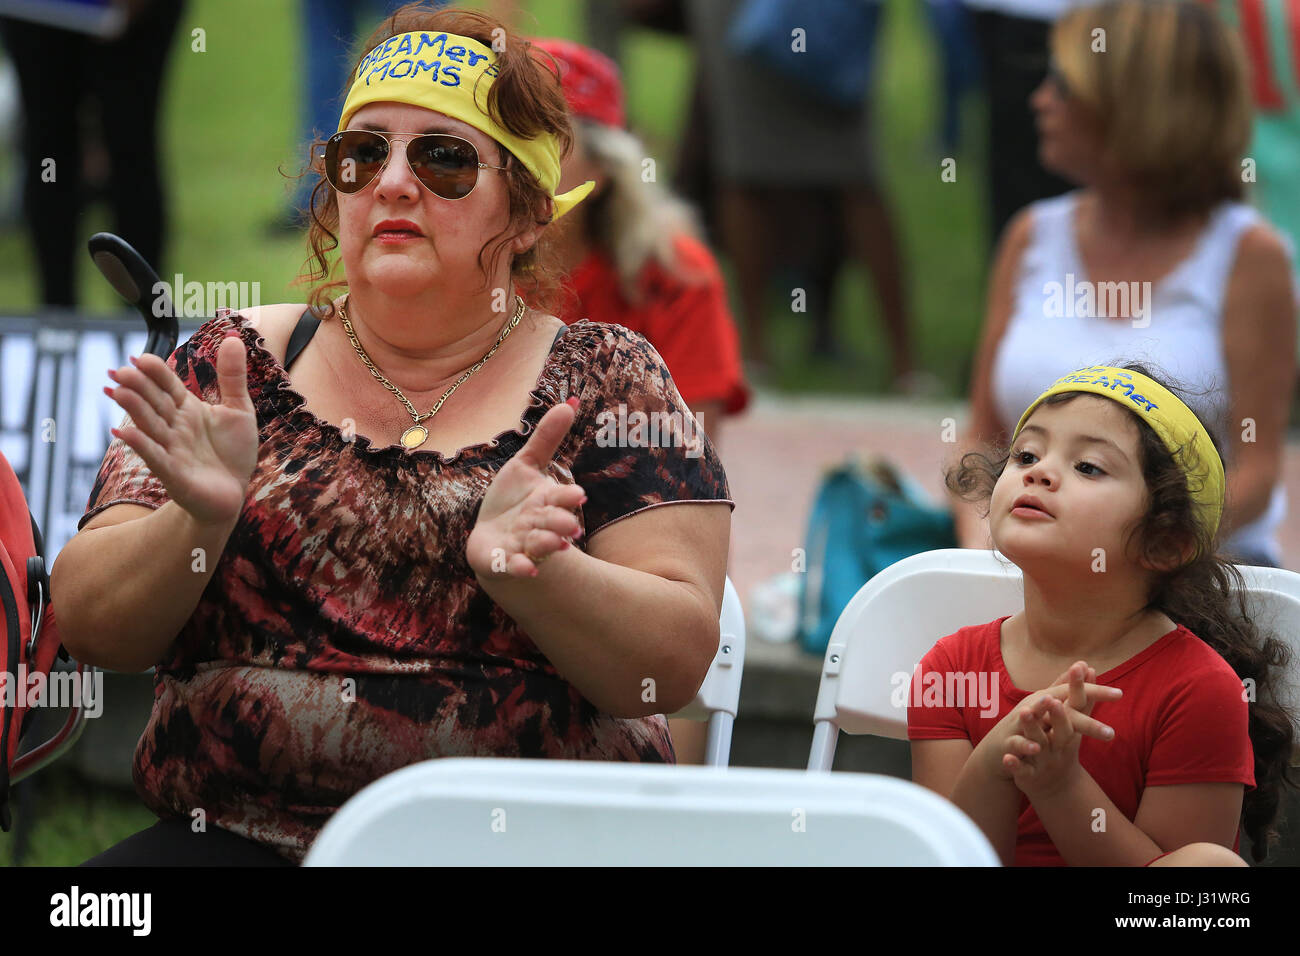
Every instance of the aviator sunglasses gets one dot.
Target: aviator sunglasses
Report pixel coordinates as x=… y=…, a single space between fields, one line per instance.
x=447 y=165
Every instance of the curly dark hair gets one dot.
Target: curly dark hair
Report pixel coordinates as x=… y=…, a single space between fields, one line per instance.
x=525 y=98
x=1205 y=593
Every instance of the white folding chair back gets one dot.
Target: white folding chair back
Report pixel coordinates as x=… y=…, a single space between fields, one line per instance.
x=501 y=812
x=718 y=698
x=887 y=628
x=896 y=617
x=1273 y=603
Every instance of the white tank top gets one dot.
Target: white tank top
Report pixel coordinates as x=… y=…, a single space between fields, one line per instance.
x=1052 y=332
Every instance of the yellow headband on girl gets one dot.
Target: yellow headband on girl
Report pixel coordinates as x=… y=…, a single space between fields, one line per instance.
x=1175 y=423
x=452 y=75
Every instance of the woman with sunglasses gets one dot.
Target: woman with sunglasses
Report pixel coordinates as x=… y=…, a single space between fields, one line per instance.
x=1155 y=257
x=416 y=535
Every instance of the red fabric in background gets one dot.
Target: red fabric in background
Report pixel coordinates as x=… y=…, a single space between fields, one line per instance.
x=688 y=323
x=590 y=81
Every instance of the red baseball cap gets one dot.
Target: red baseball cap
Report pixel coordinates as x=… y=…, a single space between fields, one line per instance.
x=590 y=81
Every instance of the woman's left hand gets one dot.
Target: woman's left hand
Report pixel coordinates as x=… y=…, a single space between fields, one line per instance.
x=526 y=515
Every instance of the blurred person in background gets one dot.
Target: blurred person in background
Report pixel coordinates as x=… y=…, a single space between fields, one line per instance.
x=63 y=75
x=11 y=122
x=953 y=31
x=1266 y=28
x=1153 y=131
x=327 y=28
x=632 y=254
x=774 y=141
x=633 y=259
x=1012 y=39
x=811 y=250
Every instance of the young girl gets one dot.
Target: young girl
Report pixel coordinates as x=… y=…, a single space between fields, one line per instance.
x=1137 y=721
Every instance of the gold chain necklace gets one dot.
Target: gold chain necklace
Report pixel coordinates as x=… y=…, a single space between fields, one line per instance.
x=417 y=434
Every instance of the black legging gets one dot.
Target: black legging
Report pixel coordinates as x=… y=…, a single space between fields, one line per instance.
x=174 y=843
x=57 y=71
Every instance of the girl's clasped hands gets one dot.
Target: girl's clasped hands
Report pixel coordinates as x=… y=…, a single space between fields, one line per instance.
x=1037 y=743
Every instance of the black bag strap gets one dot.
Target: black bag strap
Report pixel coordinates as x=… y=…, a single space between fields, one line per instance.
x=302 y=333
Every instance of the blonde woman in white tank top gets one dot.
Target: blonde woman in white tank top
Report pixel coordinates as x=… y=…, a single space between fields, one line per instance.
x=1154 y=130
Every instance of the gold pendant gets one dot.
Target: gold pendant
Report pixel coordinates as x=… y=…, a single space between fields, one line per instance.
x=415 y=436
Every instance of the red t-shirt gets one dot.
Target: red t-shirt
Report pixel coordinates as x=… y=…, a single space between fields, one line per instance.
x=688 y=322
x=1182 y=719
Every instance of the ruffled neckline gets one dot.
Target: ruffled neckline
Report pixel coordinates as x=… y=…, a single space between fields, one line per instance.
x=289 y=403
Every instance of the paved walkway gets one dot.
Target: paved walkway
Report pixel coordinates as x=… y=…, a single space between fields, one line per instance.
x=775 y=454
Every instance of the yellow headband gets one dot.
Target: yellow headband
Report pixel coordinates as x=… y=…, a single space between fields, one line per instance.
x=1175 y=423
x=452 y=75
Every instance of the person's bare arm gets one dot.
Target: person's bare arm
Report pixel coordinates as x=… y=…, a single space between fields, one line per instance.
x=1168 y=818
x=1259 y=330
x=127 y=582
x=984 y=429
x=632 y=622
x=993 y=803
x=690 y=737
x=130 y=579
x=1043 y=758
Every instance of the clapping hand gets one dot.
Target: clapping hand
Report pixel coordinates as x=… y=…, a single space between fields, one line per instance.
x=204 y=454
x=526 y=515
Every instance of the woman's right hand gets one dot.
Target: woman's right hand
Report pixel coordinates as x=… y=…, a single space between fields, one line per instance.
x=203 y=454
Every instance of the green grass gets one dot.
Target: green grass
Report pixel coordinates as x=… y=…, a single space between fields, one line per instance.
x=229 y=119
x=71 y=820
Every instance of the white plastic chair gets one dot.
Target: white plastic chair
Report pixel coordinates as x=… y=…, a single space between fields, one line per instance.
x=718 y=698
x=502 y=812
x=896 y=617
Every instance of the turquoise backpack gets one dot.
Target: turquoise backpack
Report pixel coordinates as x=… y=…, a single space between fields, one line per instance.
x=865 y=517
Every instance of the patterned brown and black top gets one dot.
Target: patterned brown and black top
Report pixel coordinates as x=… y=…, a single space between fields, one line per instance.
x=343 y=634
